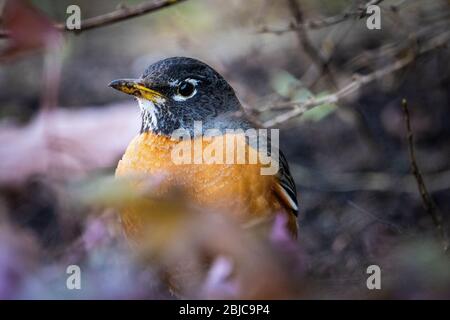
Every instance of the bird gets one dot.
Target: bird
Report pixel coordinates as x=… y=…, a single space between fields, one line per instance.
x=177 y=94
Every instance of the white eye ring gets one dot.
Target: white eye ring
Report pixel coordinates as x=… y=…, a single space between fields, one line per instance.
x=179 y=97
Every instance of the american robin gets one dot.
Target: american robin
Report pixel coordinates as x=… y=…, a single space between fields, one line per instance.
x=177 y=94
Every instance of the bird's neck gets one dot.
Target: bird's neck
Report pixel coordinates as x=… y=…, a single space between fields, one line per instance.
x=157 y=118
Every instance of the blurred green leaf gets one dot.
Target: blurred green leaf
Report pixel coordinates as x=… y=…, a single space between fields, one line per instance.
x=320 y=112
x=285 y=83
x=302 y=95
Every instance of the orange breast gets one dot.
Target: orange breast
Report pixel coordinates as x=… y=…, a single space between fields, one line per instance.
x=236 y=189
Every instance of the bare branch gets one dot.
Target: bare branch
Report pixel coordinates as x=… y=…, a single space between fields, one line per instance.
x=118 y=15
x=314 y=54
x=331 y=181
x=298 y=108
x=324 y=22
x=124 y=13
x=428 y=203
x=355 y=85
x=311 y=24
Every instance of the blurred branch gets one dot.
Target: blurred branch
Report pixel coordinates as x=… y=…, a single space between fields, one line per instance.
x=428 y=203
x=311 y=24
x=298 y=108
x=314 y=54
x=391 y=50
x=324 y=66
x=118 y=15
x=316 y=179
x=376 y=218
x=355 y=85
x=123 y=13
x=359 y=13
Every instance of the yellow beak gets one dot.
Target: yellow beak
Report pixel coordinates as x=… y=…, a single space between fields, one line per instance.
x=136 y=88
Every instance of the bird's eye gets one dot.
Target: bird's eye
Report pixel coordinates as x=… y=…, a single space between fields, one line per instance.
x=186 y=89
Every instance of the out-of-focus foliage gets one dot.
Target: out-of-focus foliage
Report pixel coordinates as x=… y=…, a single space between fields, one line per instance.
x=287 y=86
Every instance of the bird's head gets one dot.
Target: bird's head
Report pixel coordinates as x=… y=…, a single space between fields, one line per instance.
x=175 y=92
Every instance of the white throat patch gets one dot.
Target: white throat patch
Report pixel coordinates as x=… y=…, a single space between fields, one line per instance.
x=148 y=108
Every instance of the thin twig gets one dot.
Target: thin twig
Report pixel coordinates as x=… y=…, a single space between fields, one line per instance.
x=298 y=108
x=427 y=201
x=311 y=24
x=314 y=54
x=118 y=15
x=391 y=50
x=376 y=218
x=354 y=86
x=330 y=181
x=124 y=13
x=322 y=23
x=324 y=65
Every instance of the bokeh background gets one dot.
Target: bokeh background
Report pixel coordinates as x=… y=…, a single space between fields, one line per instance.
x=62 y=132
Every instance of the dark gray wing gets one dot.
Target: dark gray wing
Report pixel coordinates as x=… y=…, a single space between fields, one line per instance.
x=286 y=188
